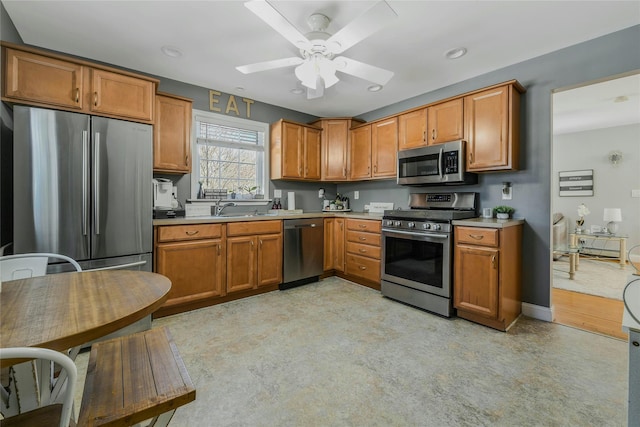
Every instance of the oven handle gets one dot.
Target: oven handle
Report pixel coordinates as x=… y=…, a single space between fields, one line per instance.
x=440 y=165
x=416 y=236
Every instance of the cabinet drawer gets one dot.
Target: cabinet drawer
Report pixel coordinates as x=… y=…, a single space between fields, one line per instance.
x=361 y=237
x=477 y=236
x=364 y=267
x=364 y=225
x=253 y=227
x=189 y=232
x=364 y=250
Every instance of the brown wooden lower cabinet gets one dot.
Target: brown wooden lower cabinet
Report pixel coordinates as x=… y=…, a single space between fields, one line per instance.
x=363 y=243
x=193 y=258
x=334 y=244
x=254 y=255
x=487 y=274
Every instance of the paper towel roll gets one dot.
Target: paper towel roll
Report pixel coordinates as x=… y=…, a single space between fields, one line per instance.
x=291 y=200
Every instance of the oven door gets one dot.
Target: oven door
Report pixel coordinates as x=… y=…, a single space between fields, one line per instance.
x=417 y=260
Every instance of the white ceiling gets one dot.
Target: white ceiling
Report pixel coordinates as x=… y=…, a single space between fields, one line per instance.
x=599 y=105
x=216 y=36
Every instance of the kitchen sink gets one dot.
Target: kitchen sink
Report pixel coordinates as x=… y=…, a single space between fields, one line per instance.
x=245 y=215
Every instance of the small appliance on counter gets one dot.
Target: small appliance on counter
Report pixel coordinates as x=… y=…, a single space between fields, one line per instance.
x=165 y=201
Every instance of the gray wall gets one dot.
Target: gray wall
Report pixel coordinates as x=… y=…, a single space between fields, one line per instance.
x=612 y=184
x=602 y=57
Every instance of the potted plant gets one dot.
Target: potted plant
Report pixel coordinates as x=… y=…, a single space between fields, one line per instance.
x=503 y=212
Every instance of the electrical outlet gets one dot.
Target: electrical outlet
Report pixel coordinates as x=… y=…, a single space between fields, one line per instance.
x=277 y=193
x=356 y=195
x=635 y=193
x=367 y=207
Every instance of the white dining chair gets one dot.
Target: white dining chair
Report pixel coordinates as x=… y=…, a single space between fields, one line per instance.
x=22 y=266
x=44 y=414
x=49 y=386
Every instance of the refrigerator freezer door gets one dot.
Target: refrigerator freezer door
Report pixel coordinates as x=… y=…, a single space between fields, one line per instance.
x=122 y=170
x=51 y=192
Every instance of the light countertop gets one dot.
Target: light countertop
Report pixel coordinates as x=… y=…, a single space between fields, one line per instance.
x=224 y=219
x=488 y=222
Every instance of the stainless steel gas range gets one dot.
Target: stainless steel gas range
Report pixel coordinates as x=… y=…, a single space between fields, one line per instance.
x=417 y=258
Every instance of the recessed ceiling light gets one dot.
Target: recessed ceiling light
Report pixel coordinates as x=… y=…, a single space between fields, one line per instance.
x=621 y=98
x=455 y=53
x=297 y=91
x=374 y=88
x=171 y=51
x=239 y=89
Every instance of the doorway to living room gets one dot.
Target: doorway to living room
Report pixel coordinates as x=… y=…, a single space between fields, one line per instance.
x=595 y=200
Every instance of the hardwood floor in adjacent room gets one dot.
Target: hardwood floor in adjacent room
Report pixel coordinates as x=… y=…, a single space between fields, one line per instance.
x=588 y=312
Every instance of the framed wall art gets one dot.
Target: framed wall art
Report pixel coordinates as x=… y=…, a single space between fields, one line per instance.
x=576 y=183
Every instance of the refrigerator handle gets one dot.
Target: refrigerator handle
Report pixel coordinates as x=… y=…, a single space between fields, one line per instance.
x=96 y=184
x=85 y=182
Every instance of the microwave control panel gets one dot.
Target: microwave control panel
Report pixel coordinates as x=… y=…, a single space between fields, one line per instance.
x=450 y=161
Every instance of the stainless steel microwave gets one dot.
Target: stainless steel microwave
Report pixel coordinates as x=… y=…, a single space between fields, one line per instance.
x=440 y=164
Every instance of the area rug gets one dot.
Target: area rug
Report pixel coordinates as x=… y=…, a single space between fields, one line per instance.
x=593 y=277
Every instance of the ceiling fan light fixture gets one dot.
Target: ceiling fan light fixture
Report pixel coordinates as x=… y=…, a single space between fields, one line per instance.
x=374 y=88
x=297 y=91
x=455 y=53
x=314 y=67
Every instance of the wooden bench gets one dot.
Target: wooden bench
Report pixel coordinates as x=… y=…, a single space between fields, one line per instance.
x=135 y=378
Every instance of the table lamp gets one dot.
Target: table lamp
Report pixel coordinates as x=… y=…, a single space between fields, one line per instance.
x=613 y=216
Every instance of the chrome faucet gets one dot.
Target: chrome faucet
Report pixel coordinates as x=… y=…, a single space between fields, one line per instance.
x=219 y=208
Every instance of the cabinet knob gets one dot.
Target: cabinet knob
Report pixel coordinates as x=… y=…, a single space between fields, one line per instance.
x=476 y=236
x=77 y=95
x=363 y=238
x=471 y=157
x=362 y=267
x=433 y=134
x=192 y=233
x=493 y=261
x=95 y=99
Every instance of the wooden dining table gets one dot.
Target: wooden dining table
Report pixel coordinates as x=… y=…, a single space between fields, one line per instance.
x=61 y=311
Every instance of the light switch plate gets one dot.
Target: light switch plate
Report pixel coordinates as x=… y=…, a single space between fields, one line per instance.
x=635 y=193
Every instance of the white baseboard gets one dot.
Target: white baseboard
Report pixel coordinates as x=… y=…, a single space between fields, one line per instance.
x=537 y=311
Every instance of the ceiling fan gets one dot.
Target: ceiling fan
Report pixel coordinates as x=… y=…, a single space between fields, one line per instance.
x=317 y=66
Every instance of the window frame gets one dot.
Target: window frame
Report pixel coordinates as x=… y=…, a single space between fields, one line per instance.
x=237 y=122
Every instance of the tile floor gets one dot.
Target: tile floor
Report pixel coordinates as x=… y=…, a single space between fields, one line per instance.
x=334 y=353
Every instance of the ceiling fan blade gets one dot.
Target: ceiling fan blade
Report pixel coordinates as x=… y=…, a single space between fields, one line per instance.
x=271 y=16
x=364 y=71
x=270 y=65
x=362 y=27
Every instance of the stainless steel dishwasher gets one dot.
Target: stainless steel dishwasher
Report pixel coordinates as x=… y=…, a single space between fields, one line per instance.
x=303 y=251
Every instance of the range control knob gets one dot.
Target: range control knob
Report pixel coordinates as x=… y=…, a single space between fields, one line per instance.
x=436 y=226
x=388 y=222
x=426 y=226
x=411 y=224
x=397 y=223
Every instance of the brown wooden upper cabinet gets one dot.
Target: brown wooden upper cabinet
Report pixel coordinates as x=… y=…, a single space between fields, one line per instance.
x=412 y=129
x=295 y=151
x=445 y=121
x=384 y=148
x=50 y=80
x=172 y=134
x=374 y=150
x=492 y=128
x=335 y=147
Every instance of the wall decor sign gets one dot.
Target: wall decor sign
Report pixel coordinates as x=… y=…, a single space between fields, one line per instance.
x=576 y=183
x=231 y=104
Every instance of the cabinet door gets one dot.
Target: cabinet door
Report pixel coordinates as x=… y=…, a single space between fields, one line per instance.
x=360 y=153
x=384 y=148
x=121 y=95
x=291 y=150
x=312 y=154
x=412 y=129
x=446 y=121
x=476 y=280
x=329 y=226
x=41 y=79
x=269 y=259
x=487 y=123
x=172 y=135
x=339 y=245
x=195 y=268
x=335 y=137
x=241 y=263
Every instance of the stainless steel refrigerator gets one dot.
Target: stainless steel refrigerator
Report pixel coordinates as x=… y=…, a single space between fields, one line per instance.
x=82 y=187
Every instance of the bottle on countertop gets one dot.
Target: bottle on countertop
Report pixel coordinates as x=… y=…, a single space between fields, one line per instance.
x=200 y=192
